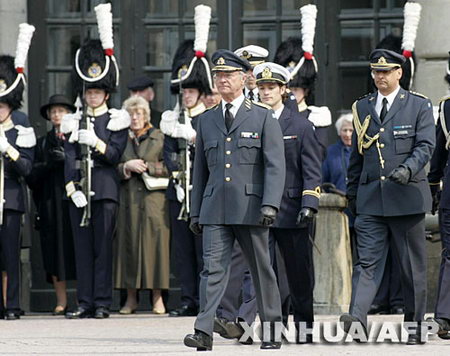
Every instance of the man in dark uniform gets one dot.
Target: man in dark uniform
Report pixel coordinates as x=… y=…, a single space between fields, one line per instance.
x=106 y=138
x=393 y=140
x=238 y=184
x=231 y=310
x=301 y=194
x=439 y=171
x=143 y=87
x=17 y=153
x=186 y=246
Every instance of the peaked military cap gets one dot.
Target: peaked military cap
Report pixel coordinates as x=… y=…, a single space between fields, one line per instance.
x=140 y=83
x=385 y=60
x=253 y=54
x=271 y=72
x=225 y=60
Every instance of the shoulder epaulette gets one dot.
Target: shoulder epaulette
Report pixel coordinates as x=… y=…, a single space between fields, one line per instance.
x=265 y=106
x=119 y=120
x=418 y=94
x=25 y=137
x=445 y=98
x=364 y=96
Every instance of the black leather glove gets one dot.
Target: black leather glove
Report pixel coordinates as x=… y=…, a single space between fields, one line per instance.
x=195 y=226
x=268 y=215
x=351 y=204
x=305 y=217
x=436 y=195
x=400 y=175
x=57 y=154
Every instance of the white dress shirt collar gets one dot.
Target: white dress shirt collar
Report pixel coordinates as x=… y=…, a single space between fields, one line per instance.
x=390 y=98
x=236 y=105
x=278 y=112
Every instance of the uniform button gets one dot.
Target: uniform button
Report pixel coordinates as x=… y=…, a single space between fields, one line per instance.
x=227 y=179
x=382 y=145
x=382 y=129
x=228 y=152
x=228 y=139
x=228 y=165
x=383 y=177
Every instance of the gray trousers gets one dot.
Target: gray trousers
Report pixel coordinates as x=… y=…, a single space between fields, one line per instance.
x=443 y=293
x=239 y=282
x=218 y=241
x=408 y=242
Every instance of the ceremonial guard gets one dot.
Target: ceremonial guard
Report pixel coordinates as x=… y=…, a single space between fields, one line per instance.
x=96 y=141
x=238 y=184
x=441 y=199
x=301 y=194
x=387 y=189
x=190 y=79
x=16 y=161
x=296 y=54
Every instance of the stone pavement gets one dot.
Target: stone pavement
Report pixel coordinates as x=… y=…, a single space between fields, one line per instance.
x=148 y=334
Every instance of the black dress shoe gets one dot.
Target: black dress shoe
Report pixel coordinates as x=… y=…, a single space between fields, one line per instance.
x=444 y=328
x=101 y=313
x=270 y=345
x=347 y=320
x=200 y=340
x=414 y=339
x=228 y=329
x=378 y=309
x=12 y=315
x=184 y=311
x=397 y=310
x=79 y=313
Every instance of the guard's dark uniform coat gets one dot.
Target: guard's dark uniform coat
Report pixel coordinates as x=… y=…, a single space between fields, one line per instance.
x=93 y=244
x=386 y=209
x=439 y=170
x=14 y=171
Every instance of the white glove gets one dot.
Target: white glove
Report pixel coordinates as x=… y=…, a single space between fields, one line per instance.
x=87 y=137
x=79 y=199
x=180 y=192
x=4 y=144
x=184 y=131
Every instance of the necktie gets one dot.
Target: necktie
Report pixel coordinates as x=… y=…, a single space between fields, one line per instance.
x=251 y=96
x=228 y=116
x=383 y=110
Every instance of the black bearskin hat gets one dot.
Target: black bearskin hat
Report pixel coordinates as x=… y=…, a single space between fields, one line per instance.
x=198 y=77
x=8 y=75
x=394 y=43
x=92 y=62
x=288 y=54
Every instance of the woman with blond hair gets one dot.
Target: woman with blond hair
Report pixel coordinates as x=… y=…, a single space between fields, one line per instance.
x=141 y=248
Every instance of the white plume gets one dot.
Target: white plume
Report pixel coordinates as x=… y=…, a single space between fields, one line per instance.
x=105 y=24
x=309 y=16
x=412 y=17
x=23 y=44
x=202 y=18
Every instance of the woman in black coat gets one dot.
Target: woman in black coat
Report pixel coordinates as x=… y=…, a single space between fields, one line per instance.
x=47 y=183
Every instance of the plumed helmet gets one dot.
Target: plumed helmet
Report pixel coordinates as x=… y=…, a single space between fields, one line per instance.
x=8 y=75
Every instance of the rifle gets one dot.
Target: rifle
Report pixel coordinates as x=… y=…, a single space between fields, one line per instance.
x=2 y=179
x=184 y=175
x=86 y=167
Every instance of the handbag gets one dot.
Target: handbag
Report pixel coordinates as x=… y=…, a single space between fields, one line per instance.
x=154 y=183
